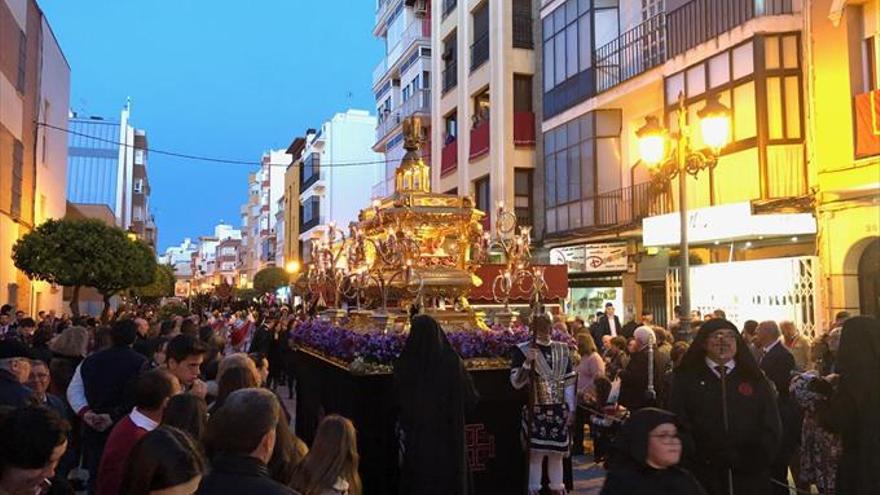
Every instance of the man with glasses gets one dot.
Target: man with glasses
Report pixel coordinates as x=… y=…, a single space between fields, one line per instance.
x=15 y=369
x=728 y=408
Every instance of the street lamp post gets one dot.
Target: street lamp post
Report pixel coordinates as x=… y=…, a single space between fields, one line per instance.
x=682 y=159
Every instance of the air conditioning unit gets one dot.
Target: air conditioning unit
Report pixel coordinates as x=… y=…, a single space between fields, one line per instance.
x=420 y=8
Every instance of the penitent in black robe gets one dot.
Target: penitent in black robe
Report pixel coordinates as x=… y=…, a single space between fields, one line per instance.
x=433 y=392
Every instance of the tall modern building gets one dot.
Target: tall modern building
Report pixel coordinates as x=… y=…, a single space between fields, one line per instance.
x=338 y=169
x=34 y=89
x=288 y=229
x=259 y=214
x=483 y=103
x=108 y=165
x=401 y=80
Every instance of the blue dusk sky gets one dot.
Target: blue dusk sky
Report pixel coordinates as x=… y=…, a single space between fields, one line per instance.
x=222 y=78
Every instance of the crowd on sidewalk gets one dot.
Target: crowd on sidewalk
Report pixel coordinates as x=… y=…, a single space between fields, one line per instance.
x=191 y=404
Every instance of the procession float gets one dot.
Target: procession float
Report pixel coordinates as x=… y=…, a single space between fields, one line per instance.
x=416 y=250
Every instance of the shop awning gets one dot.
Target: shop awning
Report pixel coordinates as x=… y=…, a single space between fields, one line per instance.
x=556 y=277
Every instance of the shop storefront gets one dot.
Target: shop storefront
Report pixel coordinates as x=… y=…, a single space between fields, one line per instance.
x=752 y=266
x=595 y=274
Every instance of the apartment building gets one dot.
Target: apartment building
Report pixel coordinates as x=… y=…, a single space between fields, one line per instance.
x=258 y=215
x=607 y=66
x=484 y=103
x=401 y=80
x=289 y=230
x=34 y=88
x=338 y=170
x=216 y=258
x=108 y=165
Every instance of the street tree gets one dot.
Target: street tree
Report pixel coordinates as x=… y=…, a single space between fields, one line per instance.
x=270 y=278
x=63 y=252
x=123 y=263
x=162 y=285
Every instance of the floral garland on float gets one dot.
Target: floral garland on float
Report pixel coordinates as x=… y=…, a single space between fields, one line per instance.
x=374 y=351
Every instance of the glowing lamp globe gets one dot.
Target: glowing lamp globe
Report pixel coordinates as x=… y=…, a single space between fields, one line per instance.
x=715 y=123
x=292 y=267
x=652 y=142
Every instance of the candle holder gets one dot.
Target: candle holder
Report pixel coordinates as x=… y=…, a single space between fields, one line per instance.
x=514 y=243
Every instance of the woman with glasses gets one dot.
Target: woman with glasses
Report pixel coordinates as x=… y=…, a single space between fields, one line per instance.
x=647 y=457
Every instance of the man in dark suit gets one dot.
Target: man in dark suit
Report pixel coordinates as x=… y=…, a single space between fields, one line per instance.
x=608 y=325
x=777 y=363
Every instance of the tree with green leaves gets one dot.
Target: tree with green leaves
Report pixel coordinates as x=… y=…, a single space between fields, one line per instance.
x=123 y=263
x=162 y=286
x=270 y=278
x=63 y=252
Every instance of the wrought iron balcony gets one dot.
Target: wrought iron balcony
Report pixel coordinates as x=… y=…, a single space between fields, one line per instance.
x=480 y=51
x=632 y=53
x=450 y=76
x=417 y=104
x=699 y=21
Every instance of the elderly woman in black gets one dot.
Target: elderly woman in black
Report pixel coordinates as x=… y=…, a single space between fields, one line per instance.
x=734 y=428
x=646 y=461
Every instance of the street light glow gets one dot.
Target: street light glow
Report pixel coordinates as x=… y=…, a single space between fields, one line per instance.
x=652 y=142
x=715 y=123
x=292 y=267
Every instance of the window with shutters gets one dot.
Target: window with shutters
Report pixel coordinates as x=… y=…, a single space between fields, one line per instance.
x=17 y=179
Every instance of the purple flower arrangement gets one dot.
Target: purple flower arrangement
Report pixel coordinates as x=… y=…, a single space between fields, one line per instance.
x=383 y=348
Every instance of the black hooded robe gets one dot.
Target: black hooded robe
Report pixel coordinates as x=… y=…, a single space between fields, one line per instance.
x=755 y=429
x=855 y=407
x=433 y=392
x=629 y=473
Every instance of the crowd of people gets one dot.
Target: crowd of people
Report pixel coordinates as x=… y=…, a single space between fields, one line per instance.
x=142 y=405
x=762 y=409
x=192 y=404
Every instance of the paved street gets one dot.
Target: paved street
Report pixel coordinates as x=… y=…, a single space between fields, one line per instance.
x=588 y=476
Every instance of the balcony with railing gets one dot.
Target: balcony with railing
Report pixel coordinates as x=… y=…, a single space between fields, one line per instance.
x=311 y=223
x=479 y=139
x=699 y=21
x=417 y=104
x=522 y=29
x=632 y=53
x=450 y=75
x=479 y=51
x=629 y=205
x=449 y=157
x=418 y=31
x=523 y=129
x=310 y=172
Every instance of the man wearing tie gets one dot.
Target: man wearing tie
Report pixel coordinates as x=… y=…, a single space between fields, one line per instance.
x=608 y=325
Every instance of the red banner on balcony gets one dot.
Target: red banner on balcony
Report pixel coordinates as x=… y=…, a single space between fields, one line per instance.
x=555 y=276
x=868 y=124
x=449 y=157
x=523 y=129
x=479 y=140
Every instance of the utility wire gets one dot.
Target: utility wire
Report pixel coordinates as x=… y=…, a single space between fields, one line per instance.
x=206 y=158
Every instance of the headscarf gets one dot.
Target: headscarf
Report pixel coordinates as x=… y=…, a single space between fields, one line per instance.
x=695 y=358
x=633 y=439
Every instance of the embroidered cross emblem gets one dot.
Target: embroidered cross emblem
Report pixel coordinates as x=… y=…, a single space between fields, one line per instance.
x=480 y=446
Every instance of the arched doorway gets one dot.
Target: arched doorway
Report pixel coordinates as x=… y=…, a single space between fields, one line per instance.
x=869 y=280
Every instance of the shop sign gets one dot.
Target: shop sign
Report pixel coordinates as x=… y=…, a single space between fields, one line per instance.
x=591 y=258
x=724 y=223
x=609 y=257
x=573 y=256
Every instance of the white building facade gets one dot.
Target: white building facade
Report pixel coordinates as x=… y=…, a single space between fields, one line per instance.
x=401 y=80
x=338 y=170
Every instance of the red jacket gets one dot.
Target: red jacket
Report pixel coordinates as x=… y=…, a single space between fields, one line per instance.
x=119 y=444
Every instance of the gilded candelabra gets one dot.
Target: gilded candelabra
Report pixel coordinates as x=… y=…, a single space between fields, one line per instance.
x=514 y=243
x=329 y=271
